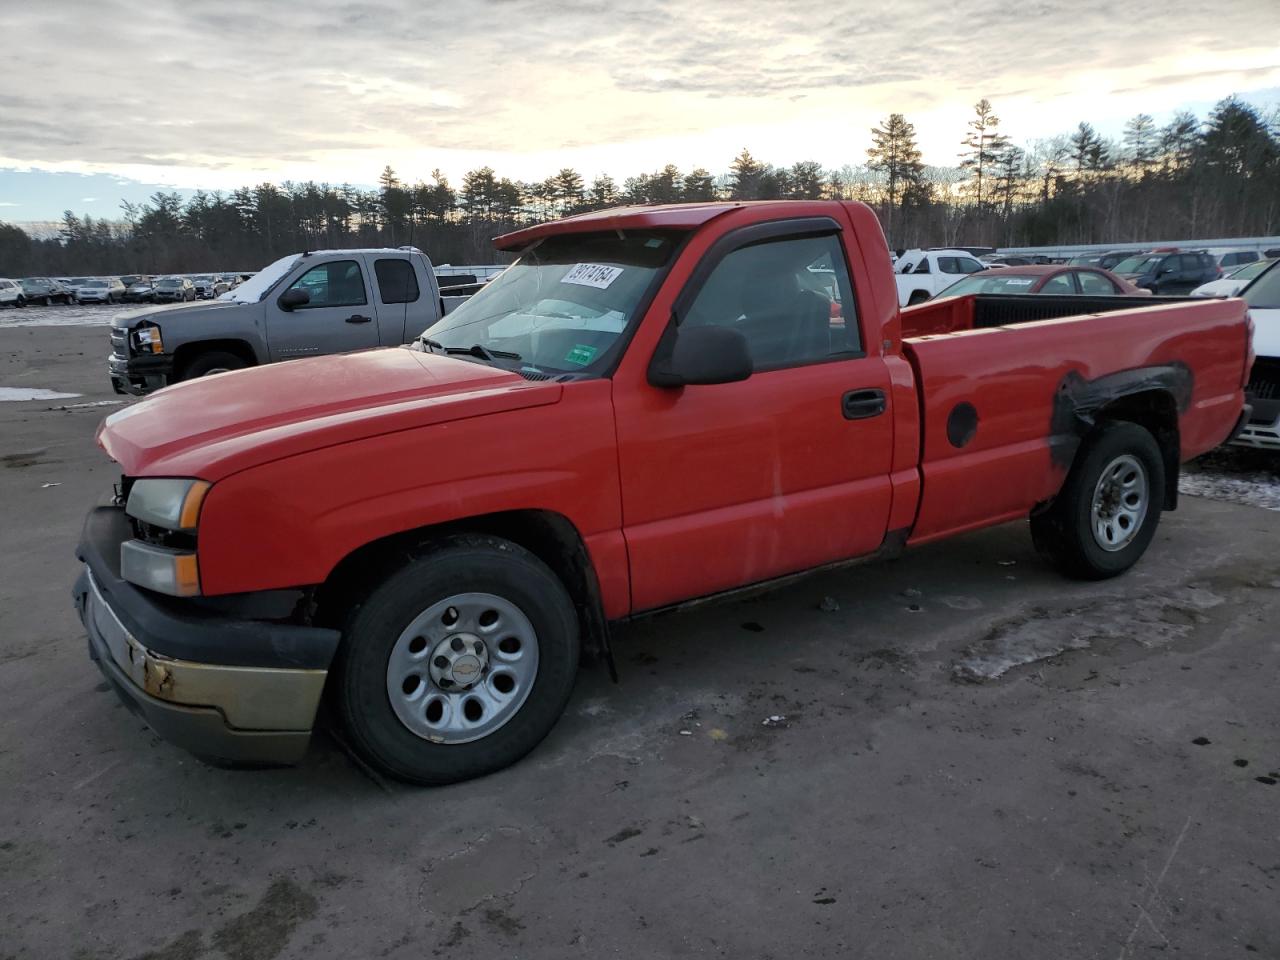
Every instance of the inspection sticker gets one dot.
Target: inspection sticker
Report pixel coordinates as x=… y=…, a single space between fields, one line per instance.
x=592 y=275
x=581 y=355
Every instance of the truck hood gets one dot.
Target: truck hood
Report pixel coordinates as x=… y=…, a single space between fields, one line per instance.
x=215 y=426
x=127 y=319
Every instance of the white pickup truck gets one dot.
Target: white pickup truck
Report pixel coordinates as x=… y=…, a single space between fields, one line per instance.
x=922 y=274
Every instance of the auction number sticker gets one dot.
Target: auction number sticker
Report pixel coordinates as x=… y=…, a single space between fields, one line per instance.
x=1011 y=282
x=596 y=275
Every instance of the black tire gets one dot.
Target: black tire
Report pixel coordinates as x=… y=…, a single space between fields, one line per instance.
x=917 y=297
x=211 y=362
x=1065 y=531
x=20 y=302
x=454 y=565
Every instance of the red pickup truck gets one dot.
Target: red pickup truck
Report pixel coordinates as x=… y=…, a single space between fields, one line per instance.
x=650 y=406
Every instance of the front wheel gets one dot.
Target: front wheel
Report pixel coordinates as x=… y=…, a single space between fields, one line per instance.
x=214 y=361
x=458 y=663
x=1106 y=514
x=20 y=302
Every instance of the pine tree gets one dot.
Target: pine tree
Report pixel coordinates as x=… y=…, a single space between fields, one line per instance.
x=894 y=153
x=1140 y=142
x=699 y=185
x=983 y=144
x=745 y=183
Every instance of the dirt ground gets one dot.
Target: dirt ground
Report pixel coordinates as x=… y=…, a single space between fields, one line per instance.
x=957 y=754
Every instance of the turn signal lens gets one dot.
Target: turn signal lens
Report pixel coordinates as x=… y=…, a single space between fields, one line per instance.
x=161 y=569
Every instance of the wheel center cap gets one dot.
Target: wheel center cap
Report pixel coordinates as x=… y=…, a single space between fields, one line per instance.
x=459 y=662
x=466 y=670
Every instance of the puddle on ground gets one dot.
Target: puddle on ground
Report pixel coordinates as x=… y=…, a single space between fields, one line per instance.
x=33 y=393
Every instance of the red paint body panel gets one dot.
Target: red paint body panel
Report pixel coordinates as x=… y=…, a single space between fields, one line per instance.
x=1012 y=375
x=677 y=493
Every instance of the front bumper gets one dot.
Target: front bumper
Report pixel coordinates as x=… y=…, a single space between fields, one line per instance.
x=225 y=689
x=1262 y=429
x=139 y=375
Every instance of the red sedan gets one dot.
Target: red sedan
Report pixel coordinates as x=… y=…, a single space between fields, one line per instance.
x=1052 y=279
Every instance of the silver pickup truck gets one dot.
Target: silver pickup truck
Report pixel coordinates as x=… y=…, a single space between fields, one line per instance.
x=305 y=304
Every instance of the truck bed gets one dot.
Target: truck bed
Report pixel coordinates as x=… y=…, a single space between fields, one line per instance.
x=1008 y=385
x=980 y=311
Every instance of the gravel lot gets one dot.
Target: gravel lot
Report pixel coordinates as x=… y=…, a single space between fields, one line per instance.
x=957 y=754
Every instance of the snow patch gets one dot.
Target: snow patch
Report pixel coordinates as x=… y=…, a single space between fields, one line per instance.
x=32 y=393
x=1252 y=489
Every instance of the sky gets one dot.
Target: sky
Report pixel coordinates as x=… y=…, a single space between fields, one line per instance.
x=215 y=95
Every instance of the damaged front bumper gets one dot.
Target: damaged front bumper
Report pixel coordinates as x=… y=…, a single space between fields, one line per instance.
x=139 y=375
x=226 y=689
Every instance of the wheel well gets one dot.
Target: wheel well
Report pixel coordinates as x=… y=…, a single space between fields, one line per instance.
x=1157 y=412
x=550 y=536
x=188 y=352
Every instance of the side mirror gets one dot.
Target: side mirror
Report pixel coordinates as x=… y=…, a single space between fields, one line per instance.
x=700 y=355
x=297 y=297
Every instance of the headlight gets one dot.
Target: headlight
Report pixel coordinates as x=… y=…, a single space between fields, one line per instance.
x=147 y=340
x=174 y=572
x=167 y=502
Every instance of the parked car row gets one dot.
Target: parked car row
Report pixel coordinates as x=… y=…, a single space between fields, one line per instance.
x=131 y=288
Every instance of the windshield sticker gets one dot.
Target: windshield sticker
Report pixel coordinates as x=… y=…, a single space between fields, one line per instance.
x=592 y=275
x=1011 y=282
x=581 y=354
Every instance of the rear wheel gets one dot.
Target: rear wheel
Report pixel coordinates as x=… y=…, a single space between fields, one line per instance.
x=1104 y=518
x=458 y=663
x=215 y=361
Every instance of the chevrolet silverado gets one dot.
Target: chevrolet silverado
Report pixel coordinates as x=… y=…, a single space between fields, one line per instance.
x=651 y=406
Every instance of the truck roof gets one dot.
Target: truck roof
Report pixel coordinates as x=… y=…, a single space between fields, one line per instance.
x=674 y=216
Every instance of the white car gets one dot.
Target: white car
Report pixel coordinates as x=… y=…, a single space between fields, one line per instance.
x=922 y=273
x=1263 y=298
x=1228 y=260
x=106 y=290
x=1235 y=281
x=11 y=294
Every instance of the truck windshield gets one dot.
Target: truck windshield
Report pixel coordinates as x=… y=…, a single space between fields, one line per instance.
x=564 y=306
x=257 y=286
x=1264 y=293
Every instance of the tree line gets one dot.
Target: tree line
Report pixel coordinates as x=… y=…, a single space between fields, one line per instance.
x=1188 y=178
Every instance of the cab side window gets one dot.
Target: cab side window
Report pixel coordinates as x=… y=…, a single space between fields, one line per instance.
x=396 y=281
x=338 y=283
x=792 y=299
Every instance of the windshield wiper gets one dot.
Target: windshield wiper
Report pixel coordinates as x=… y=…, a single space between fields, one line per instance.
x=484 y=353
x=432 y=344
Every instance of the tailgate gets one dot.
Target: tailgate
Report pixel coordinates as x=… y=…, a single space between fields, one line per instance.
x=1003 y=409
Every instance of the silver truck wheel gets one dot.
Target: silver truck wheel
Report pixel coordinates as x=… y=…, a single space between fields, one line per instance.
x=1120 y=501
x=463 y=668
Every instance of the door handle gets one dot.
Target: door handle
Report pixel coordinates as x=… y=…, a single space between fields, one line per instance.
x=862 y=404
x=356 y=318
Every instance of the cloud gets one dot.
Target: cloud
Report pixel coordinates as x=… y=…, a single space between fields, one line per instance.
x=250 y=88
x=7 y=203
x=88 y=199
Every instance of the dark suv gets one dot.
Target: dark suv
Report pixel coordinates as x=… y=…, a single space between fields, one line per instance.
x=1169 y=272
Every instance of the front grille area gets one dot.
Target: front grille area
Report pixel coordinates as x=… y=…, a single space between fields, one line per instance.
x=1264 y=381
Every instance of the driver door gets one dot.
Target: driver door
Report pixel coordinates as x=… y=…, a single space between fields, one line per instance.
x=729 y=484
x=338 y=317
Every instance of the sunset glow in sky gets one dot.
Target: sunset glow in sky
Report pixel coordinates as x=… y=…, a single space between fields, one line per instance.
x=220 y=95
